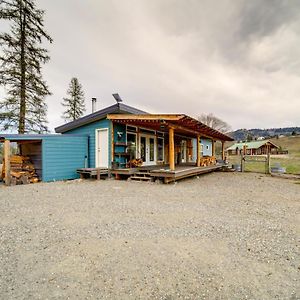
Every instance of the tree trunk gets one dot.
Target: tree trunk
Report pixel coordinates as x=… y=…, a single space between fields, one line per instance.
x=23 y=75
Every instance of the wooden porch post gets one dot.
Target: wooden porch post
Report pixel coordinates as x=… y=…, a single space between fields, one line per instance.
x=198 y=151
x=213 y=148
x=171 y=149
x=223 y=150
x=7 y=161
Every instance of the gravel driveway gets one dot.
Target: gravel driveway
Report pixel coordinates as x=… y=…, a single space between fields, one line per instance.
x=219 y=236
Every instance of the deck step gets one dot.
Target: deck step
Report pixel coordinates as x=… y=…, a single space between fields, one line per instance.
x=142 y=173
x=139 y=173
x=141 y=178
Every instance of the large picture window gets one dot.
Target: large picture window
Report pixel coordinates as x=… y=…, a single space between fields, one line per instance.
x=131 y=145
x=160 y=149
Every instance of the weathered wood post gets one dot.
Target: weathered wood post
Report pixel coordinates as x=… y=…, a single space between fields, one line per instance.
x=6 y=150
x=268 y=163
x=213 y=148
x=223 y=150
x=242 y=161
x=198 y=161
x=243 y=154
x=171 y=149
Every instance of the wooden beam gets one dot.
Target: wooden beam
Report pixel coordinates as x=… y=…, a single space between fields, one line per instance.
x=171 y=149
x=6 y=153
x=181 y=121
x=145 y=117
x=192 y=132
x=198 y=151
x=223 y=150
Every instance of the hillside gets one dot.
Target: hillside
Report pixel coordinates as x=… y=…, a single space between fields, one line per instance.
x=243 y=134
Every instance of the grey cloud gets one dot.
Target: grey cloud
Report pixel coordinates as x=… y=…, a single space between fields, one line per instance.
x=232 y=58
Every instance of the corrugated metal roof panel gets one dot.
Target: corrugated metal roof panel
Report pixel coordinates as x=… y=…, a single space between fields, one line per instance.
x=250 y=145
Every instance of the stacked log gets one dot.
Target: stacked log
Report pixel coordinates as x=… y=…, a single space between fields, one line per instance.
x=22 y=170
x=207 y=161
x=133 y=163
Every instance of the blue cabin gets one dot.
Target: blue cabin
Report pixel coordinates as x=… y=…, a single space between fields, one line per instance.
x=122 y=137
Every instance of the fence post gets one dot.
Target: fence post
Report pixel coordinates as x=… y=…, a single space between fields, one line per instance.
x=6 y=153
x=268 y=164
x=242 y=162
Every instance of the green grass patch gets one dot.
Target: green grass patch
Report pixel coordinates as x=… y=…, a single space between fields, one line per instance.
x=291 y=161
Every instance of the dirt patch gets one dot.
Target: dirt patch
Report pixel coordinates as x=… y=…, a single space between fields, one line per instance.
x=221 y=236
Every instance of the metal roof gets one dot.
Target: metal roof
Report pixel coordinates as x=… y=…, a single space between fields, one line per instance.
x=98 y=115
x=250 y=145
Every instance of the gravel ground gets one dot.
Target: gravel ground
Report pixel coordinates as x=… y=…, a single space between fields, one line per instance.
x=219 y=236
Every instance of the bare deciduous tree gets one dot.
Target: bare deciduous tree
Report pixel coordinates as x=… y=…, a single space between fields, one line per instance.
x=214 y=122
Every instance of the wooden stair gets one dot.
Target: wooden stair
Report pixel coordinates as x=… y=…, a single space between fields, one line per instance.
x=141 y=176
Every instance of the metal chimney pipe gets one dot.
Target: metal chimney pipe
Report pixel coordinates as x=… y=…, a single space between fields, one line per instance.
x=94 y=100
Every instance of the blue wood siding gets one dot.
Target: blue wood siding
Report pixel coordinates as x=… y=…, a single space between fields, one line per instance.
x=90 y=130
x=61 y=156
x=207 y=147
x=207 y=143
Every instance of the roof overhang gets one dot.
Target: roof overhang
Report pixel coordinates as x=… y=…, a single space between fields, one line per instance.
x=182 y=124
x=119 y=108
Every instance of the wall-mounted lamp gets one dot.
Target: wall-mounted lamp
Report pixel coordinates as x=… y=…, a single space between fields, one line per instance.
x=120 y=134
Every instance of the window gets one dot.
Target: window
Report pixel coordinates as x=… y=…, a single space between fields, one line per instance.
x=160 y=149
x=152 y=149
x=131 y=128
x=207 y=147
x=147 y=131
x=131 y=145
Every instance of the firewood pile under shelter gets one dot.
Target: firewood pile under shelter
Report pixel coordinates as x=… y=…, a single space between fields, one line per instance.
x=22 y=170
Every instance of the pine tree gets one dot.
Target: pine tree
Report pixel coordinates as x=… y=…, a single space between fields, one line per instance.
x=74 y=104
x=22 y=55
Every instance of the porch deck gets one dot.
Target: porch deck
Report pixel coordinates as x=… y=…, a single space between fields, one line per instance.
x=164 y=173
x=91 y=172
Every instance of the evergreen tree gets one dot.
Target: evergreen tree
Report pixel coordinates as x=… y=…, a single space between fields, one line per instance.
x=74 y=104
x=20 y=73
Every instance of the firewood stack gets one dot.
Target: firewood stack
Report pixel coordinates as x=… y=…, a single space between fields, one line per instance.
x=22 y=170
x=136 y=162
x=207 y=161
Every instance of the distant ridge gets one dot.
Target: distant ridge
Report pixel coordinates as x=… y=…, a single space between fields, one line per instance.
x=255 y=133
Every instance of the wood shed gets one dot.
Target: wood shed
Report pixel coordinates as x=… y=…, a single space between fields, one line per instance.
x=54 y=156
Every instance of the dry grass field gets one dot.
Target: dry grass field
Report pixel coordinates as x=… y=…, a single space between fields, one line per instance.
x=219 y=236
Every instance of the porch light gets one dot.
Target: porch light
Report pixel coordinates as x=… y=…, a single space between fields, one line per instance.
x=120 y=133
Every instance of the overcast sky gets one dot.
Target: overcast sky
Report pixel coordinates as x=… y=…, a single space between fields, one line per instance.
x=238 y=59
